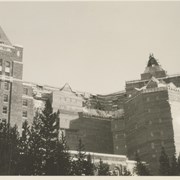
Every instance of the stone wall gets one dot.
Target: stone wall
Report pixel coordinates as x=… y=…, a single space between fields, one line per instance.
x=94 y=132
x=13 y=76
x=148 y=126
x=119 y=139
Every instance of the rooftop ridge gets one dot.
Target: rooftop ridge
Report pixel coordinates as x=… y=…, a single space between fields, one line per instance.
x=168 y=76
x=3 y=38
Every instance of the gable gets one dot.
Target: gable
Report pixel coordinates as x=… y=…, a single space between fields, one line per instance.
x=3 y=38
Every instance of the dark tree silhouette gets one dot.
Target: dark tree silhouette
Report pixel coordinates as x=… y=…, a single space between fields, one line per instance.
x=164 y=166
x=103 y=169
x=140 y=169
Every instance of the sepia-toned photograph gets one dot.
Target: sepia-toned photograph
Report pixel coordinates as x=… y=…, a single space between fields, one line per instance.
x=90 y=88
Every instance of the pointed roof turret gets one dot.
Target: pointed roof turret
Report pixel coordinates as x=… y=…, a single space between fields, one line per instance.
x=153 y=68
x=66 y=87
x=152 y=61
x=3 y=38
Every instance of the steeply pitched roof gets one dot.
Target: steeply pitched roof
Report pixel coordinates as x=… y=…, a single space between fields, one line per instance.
x=3 y=38
x=152 y=83
x=152 y=61
x=66 y=87
x=153 y=66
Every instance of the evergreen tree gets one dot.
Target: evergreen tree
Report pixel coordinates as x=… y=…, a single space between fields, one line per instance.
x=126 y=172
x=178 y=164
x=36 y=152
x=89 y=166
x=78 y=165
x=82 y=165
x=103 y=169
x=13 y=151
x=43 y=141
x=24 y=149
x=3 y=148
x=9 y=154
x=164 y=169
x=140 y=169
x=62 y=157
x=174 y=166
x=49 y=134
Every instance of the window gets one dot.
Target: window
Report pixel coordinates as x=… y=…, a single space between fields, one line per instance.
x=7 y=68
x=25 y=91
x=160 y=120
x=117 y=147
x=25 y=102
x=4 y=120
x=18 y=53
x=0 y=66
x=24 y=114
x=5 y=98
x=7 y=64
x=5 y=109
x=147 y=99
x=153 y=156
x=152 y=145
x=152 y=134
x=6 y=85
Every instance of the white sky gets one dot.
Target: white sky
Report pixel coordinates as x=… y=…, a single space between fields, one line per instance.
x=94 y=46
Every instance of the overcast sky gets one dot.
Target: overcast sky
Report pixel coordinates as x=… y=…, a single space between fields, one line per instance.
x=94 y=46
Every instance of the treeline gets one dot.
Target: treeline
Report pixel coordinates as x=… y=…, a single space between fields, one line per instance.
x=42 y=150
x=167 y=166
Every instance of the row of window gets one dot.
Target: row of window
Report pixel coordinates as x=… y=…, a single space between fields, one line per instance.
x=151 y=133
x=70 y=99
x=6 y=99
x=70 y=108
x=117 y=147
x=3 y=120
x=25 y=91
x=160 y=132
x=7 y=67
x=5 y=111
x=159 y=120
x=6 y=86
x=151 y=98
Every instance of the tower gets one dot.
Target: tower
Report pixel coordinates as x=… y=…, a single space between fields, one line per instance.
x=11 y=69
x=152 y=114
x=153 y=68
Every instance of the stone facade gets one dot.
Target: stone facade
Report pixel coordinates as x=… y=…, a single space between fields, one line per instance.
x=95 y=133
x=142 y=119
x=151 y=115
x=11 y=81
